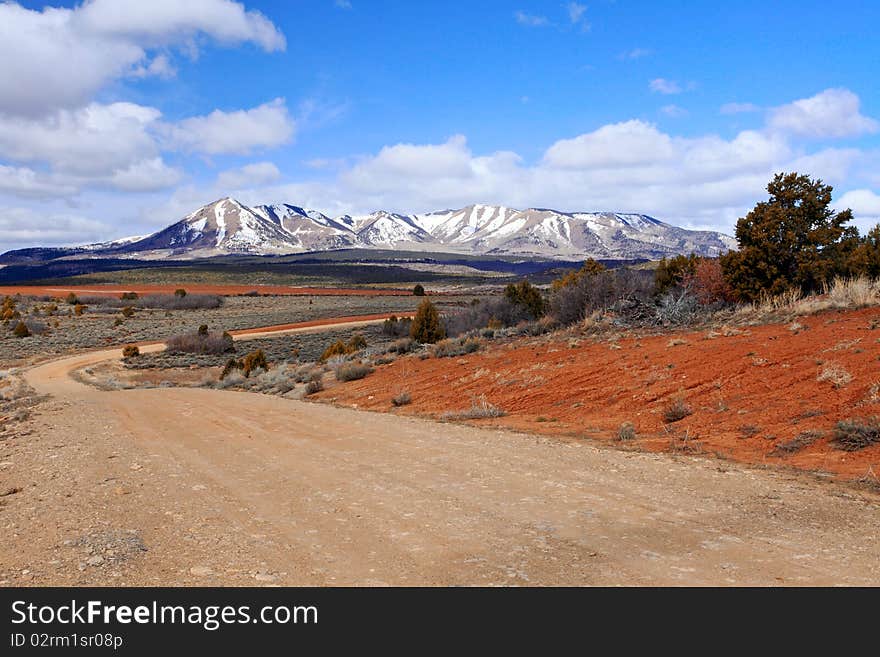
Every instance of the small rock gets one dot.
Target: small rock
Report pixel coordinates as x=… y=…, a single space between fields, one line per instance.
x=201 y=571
x=136 y=466
x=96 y=560
x=264 y=577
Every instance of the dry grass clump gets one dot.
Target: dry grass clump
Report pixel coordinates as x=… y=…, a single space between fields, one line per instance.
x=356 y=343
x=834 y=373
x=130 y=351
x=676 y=410
x=855 y=434
x=626 y=431
x=797 y=443
x=352 y=371
x=252 y=362
x=401 y=399
x=402 y=346
x=480 y=408
x=201 y=343
x=455 y=347
x=314 y=386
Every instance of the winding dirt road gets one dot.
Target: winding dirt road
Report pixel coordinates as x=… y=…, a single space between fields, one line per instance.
x=202 y=487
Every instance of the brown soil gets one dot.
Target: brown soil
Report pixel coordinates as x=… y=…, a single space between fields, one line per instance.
x=196 y=288
x=751 y=390
x=183 y=486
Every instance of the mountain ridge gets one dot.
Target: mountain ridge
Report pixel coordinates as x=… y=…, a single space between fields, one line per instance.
x=227 y=226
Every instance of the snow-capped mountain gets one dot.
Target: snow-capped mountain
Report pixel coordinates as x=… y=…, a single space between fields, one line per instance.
x=226 y=226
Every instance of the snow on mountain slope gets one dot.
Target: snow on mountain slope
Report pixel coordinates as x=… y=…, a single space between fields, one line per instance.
x=227 y=226
x=389 y=230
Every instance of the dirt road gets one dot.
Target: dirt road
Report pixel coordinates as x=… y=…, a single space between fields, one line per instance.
x=201 y=487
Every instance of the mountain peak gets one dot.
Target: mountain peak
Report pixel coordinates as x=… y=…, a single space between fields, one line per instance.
x=227 y=226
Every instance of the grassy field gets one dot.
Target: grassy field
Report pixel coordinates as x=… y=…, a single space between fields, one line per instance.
x=101 y=326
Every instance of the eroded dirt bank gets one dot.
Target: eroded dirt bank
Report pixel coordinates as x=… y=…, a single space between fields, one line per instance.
x=761 y=394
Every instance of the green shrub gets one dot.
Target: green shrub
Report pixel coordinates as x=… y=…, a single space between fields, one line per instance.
x=128 y=311
x=72 y=299
x=180 y=292
x=418 y=290
x=130 y=351
x=21 y=330
x=426 y=327
x=129 y=296
x=529 y=297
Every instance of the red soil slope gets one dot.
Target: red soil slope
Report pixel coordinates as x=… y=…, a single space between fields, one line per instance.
x=226 y=290
x=750 y=391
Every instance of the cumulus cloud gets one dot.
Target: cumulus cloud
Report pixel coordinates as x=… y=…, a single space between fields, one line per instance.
x=145 y=176
x=238 y=132
x=834 y=113
x=631 y=143
x=95 y=139
x=256 y=173
x=706 y=181
x=120 y=145
x=863 y=203
x=664 y=86
x=24 y=182
x=108 y=39
x=21 y=226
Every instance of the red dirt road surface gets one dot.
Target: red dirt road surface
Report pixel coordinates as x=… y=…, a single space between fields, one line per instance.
x=224 y=290
x=752 y=390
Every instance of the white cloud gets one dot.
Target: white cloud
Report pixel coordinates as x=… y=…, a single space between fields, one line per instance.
x=530 y=20
x=256 y=173
x=238 y=132
x=739 y=108
x=832 y=113
x=21 y=227
x=160 y=66
x=863 y=202
x=664 y=86
x=24 y=182
x=617 y=145
x=94 y=140
x=120 y=145
x=145 y=176
x=706 y=181
x=61 y=57
x=343 y=4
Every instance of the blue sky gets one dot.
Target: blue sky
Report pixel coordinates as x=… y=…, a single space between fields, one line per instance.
x=118 y=116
